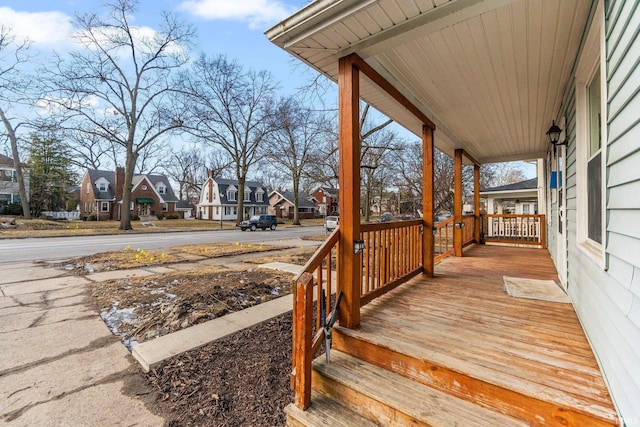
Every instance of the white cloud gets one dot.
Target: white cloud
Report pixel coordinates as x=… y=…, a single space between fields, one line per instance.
x=43 y=29
x=256 y=12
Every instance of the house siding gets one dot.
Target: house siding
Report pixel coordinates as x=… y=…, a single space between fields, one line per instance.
x=607 y=300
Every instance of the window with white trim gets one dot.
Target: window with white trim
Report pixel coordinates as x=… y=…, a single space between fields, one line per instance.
x=260 y=196
x=232 y=195
x=165 y=207
x=594 y=161
x=162 y=189
x=589 y=141
x=88 y=188
x=102 y=186
x=104 y=206
x=247 y=195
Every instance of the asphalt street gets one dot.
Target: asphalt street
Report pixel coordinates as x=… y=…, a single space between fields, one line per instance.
x=32 y=249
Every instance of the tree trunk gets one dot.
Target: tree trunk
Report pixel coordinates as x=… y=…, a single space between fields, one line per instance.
x=296 y=203
x=240 y=198
x=125 y=213
x=24 y=200
x=367 y=202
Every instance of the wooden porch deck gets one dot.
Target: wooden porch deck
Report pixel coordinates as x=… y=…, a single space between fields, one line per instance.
x=466 y=346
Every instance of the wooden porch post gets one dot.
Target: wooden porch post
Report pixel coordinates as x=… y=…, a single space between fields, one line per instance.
x=476 y=203
x=427 y=201
x=457 y=202
x=350 y=272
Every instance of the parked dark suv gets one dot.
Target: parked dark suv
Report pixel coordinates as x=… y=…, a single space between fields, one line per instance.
x=260 y=221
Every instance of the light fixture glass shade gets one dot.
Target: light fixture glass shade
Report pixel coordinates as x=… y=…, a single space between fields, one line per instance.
x=554 y=133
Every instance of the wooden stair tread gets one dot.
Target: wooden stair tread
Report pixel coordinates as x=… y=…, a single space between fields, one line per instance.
x=486 y=374
x=419 y=402
x=325 y=412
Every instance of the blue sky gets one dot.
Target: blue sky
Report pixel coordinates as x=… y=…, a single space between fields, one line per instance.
x=232 y=27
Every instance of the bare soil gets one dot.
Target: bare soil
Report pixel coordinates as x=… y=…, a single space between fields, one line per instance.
x=240 y=380
x=142 y=308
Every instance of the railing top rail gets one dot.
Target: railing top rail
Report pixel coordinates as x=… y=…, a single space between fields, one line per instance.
x=513 y=215
x=375 y=226
x=444 y=223
x=320 y=254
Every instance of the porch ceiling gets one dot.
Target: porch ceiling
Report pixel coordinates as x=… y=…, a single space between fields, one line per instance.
x=489 y=73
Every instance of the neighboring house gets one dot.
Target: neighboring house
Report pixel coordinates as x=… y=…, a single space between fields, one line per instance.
x=484 y=80
x=9 y=193
x=281 y=204
x=524 y=197
x=185 y=208
x=101 y=194
x=326 y=199
x=219 y=199
x=517 y=198
x=386 y=203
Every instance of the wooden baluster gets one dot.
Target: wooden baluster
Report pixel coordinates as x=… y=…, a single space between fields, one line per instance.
x=318 y=295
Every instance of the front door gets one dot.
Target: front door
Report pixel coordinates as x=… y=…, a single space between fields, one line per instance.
x=561 y=238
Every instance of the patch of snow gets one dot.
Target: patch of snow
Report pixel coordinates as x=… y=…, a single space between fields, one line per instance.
x=114 y=317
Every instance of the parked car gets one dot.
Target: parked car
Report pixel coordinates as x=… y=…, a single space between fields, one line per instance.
x=259 y=221
x=442 y=216
x=331 y=223
x=385 y=217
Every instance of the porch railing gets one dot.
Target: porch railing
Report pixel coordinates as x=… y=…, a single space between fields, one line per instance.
x=514 y=229
x=468 y=222
x=392 y=255
x=443 y=239
x=318 y=274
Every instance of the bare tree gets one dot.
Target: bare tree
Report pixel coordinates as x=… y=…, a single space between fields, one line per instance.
x=189 y=168
x=14 y=84
x=118 y=88
x=231 y=109
x=298 y=131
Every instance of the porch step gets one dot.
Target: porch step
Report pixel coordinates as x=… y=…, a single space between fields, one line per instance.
x=534 y=404
x=387 y=398
x=325 y=412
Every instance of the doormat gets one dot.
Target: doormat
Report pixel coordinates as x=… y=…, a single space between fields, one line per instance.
x=545 y=290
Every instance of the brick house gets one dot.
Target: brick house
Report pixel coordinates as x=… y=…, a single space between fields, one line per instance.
x=281 y=204
x=101 y=194
x=326 y=199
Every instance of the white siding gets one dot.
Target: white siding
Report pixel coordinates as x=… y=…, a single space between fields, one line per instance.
x=608 y=300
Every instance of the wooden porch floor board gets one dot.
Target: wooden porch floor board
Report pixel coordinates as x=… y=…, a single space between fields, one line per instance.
x=554 y=336
x=463 y=321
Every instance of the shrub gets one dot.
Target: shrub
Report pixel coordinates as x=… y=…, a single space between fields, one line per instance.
x=172 y=216
x=160 y=216
x=92 y=217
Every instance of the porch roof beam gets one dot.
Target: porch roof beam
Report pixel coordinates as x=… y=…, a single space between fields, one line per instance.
x=387 y=87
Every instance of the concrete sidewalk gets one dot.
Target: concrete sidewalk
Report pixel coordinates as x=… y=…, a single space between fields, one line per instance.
x=60 y=365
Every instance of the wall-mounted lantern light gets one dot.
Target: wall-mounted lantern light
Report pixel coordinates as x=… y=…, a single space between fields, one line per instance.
x=554 y=135
x=358 y=246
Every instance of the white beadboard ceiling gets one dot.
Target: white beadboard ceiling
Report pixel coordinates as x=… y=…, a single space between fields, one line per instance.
x=489 y=73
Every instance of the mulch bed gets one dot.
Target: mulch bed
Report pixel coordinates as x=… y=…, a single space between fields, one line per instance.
x=240 y=380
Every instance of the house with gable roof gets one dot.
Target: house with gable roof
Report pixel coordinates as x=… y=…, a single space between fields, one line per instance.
x=326 y=199
x=101 y=194
x=219 y=199
x=282 y=204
